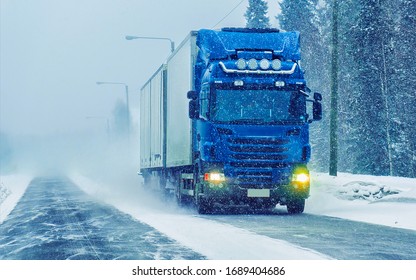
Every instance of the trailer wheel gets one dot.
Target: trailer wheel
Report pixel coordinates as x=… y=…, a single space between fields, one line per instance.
x=296 y=206
x=182 y=200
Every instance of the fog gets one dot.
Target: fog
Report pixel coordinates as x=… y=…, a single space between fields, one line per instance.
x=53 y=115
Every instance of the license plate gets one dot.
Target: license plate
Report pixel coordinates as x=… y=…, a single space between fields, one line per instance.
x=258 y=193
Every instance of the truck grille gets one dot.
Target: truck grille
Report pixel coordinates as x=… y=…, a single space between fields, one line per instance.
x=256 y=160
x=252 y=164
x=248 y=177
x=257 y=149
x=259 y=156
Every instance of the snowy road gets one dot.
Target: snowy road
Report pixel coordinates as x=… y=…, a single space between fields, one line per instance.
x=337 y=238
x=56 y=220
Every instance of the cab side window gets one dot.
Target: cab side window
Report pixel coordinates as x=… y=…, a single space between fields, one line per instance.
x=204 y=112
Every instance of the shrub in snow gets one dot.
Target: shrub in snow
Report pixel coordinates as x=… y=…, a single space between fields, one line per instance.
x=364 y=190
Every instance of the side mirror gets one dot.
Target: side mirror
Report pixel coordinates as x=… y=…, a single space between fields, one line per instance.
x=193 y=109
x=317 y=110
x=317 y=96
x=192 y=95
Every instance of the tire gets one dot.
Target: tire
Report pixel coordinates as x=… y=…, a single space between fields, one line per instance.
x=203 y=207
x=296 y=206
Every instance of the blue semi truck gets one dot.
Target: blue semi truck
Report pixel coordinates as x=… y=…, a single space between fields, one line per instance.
x=225 y=121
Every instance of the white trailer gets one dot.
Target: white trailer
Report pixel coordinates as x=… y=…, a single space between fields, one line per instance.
x=165 y=127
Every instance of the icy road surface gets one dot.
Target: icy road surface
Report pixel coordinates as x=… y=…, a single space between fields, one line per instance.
x=337 y=238
x=56 y=220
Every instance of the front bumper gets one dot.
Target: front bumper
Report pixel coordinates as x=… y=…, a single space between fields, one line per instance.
x=231 y=194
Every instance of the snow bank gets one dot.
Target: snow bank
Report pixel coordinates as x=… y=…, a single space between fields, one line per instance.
x=381 y=200
x=12 y=187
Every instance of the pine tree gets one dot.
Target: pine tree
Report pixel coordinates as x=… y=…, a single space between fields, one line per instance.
x=371 y=40
x=377 y=100
x=401 y=86
x=348 y=131
x=256 y=14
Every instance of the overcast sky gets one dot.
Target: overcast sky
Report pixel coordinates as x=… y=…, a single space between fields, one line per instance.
x=54 y=51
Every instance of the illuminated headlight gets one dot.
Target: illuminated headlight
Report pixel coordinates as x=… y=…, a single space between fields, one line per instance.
x=276 y=64
x=264 y=64
x=241 y=64
x=214 y=177
x=252 y=64
x=302 y=178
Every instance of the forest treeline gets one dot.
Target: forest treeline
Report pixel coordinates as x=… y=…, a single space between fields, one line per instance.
x=377 y=70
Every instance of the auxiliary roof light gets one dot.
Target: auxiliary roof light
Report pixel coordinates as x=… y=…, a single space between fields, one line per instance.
x=241 y=64
x=276 y=64
x=252 y=64
x=264 y=64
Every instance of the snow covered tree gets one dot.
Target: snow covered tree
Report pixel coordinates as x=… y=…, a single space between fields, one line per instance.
x=256 y=14
x=401 y=86
x=377 y=100
x=371 y=39
x=377 y=135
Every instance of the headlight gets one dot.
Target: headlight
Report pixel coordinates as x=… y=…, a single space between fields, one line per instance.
x=214 y=177
x=302 y=178
x=301 y=175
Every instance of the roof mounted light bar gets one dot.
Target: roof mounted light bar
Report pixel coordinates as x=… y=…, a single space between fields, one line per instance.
x=267 y=72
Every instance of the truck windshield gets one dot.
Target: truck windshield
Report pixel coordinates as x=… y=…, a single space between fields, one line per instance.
x=258 y=106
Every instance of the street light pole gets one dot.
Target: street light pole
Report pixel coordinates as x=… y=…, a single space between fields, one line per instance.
x=127 y=101
x=172 y=43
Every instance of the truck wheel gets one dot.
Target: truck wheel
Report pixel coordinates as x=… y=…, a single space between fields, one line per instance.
x=296 y=206
x=203 y=207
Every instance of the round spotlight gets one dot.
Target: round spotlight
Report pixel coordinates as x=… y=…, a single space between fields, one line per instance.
x=264 y=64
x=241 y=64
x=252 y=64
x=276 y=64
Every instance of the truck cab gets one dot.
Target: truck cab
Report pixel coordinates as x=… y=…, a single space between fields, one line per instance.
x=249 y=109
